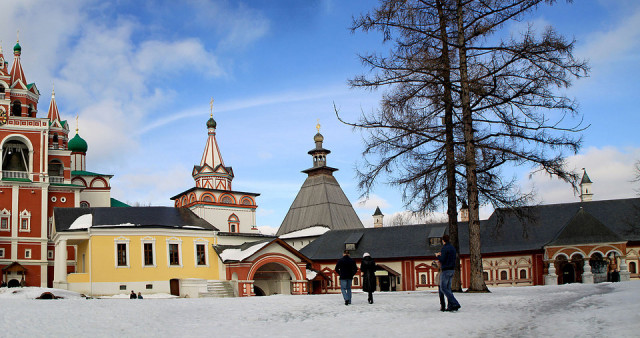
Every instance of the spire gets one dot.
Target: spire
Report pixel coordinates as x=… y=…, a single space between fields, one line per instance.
x=319 y=154
x=211 y=155
x=586 y=194
x=212 y=173
x=16 y=70
x=53 y=114
x=378 y=218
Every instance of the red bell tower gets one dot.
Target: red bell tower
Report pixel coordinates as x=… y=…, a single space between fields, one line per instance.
x=35 y=178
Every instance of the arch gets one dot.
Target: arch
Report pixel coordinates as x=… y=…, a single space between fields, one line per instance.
x=523 y=274
x=192 y=197
x=208 y=197
x=183 y=201
x=247 y=200
x=31 y=111
x=234 y=223
x=99 y=182
x=79 y=181
x=560 y=255
x=56 y=168
x=14 y=148
x=504 y=275
x=227 y=199
x=177 y=203
x=85 y=204
x=283 y=260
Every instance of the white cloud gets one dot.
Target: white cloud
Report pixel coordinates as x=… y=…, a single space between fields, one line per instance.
x=610 y=169
x=610 y=45
x=371 y=203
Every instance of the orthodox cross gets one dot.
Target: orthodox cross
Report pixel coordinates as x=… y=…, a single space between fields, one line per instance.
x=211 y=106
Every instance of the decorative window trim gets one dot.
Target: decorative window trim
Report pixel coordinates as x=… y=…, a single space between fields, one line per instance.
x=235 y=221
x=84 y=204
x=125 y=241
x=5 y=215
x=526 y=273
x=1 y=252
x=152 y=241
x=50 y=254
x=27 y=253
x=63 y=199
x=196 y=242
x=25 y=216
x=177 y=241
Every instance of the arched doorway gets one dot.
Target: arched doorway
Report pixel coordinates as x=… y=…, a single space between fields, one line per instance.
x=578 y=263
x=14 y=283
x=598 y=267
x=566 y=270
x=273 y=278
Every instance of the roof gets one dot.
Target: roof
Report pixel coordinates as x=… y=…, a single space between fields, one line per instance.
x=87 y=173
x=132 y=217
x=118 y=204
x=377 y=212
x=239 y=253
x=583 y=228
x=555 y=224
x=320 y=202
x=214 y=190
x=585 y=178
x=78 y=144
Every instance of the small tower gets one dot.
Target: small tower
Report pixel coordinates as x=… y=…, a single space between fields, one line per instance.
x=78 y=147
x=585 y=188
x=377 y=218
x=319 y=154
x=464 y=212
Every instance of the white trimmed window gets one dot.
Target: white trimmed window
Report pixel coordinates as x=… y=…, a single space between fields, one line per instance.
x=50 y=254
x=200 y=250
x=84 y=204
x=27 y=253
x=1 y=252
x=25 y=221
x=121 y=246
x=148 y=252
x=174 y=252
x=5 y=220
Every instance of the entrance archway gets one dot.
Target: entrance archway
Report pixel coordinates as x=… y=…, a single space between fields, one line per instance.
x=14 y=283
x=273 y=278
x=568 y=273
x=598 y=267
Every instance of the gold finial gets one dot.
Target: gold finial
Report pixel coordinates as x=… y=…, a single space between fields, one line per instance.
x=18 y=35
x=77 y=124
x=211 y=106
x=318 y=125
x=53 y=88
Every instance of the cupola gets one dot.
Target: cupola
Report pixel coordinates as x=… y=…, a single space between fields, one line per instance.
x=78 y=145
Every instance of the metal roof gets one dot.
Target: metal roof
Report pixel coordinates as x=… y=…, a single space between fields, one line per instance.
x=320 y=202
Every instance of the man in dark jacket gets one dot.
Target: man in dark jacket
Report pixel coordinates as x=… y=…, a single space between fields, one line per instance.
x=447 y=258
x=346 y=268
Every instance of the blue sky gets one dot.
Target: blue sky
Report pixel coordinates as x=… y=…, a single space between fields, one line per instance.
x=140 y=75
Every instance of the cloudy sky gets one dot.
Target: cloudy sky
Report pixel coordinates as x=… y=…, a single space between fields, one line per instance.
x=140 y=74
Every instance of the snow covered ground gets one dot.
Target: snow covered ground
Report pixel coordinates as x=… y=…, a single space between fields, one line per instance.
x=576 y=310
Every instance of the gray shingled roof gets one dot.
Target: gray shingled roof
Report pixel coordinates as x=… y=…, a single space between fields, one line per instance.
x=502 y=232
x=583 y=228
x=160 y=217
x=320 y=202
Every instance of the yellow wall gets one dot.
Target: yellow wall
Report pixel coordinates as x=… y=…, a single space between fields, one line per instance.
x=103 y=259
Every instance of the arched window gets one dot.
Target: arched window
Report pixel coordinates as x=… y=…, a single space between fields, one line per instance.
x=632 y=267
x=523 y=274
x=207 y=198
x=234 y=223
x=16 y=108
x=56 y=168
x=485 y=275
x=84 y=204
x=226 y=199
x=423 y=279
x=503 y=275
x=2 y=89
x=15 y=157
x=32 y=111
x=356 y=281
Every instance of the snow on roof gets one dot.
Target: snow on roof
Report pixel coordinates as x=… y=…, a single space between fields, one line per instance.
x=308 y=232
x=192 y=227
x=239 y=254
x=82 y=222
x=311 y=274
x=114 y=225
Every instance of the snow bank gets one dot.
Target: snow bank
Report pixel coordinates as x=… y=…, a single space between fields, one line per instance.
x=82 y=222
x=33 y=293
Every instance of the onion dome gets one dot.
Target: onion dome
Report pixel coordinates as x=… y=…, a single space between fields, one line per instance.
x=17 y=48
x=318 y=138
x=78 y=145
x=211 y=123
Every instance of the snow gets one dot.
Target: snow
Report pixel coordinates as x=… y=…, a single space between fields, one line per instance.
x=192 y=227
x=311 y=274
x=575 y=310
x=114 y=225
x=239 y=255
x=82 y=222
x=308 y=232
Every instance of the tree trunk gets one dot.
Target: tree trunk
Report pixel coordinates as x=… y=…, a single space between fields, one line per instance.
x=475 y=257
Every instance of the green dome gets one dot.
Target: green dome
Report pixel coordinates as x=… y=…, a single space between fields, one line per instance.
x=211 y=123
x=17 y=47
x=78 y=145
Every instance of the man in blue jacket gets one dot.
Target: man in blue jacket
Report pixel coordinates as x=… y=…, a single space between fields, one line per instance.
x=447 y=258
x=346 y=268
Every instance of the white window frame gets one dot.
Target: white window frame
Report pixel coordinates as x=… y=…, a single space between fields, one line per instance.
x=1 y=252
x=152 y=241
x=5 y=214
x=178 y=241
x=25 y=216
x=196 y=242
x=125 y=241
x=27 y=253
x=49 y=254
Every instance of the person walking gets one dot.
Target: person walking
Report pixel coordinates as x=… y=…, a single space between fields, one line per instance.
x=368 y=269
x=139 y=295
x=436 y=264
x=447 y=258
x=132 y=295
x=346 y=268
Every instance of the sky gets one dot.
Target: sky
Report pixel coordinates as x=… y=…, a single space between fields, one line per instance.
x=570 y=310
x=140 y=75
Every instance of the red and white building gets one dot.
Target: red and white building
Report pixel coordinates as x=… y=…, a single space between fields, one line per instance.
x=41 y=169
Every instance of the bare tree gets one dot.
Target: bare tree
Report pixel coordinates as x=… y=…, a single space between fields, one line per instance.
x=492 y=94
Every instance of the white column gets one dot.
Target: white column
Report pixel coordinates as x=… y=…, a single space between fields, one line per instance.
x=587 y=276
x=625 y=275
x=551 y=278
x=60 y=265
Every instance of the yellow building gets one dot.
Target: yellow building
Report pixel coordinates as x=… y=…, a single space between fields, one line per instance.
x=145 y=249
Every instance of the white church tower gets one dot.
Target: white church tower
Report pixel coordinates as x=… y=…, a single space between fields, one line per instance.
x=586 y=195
